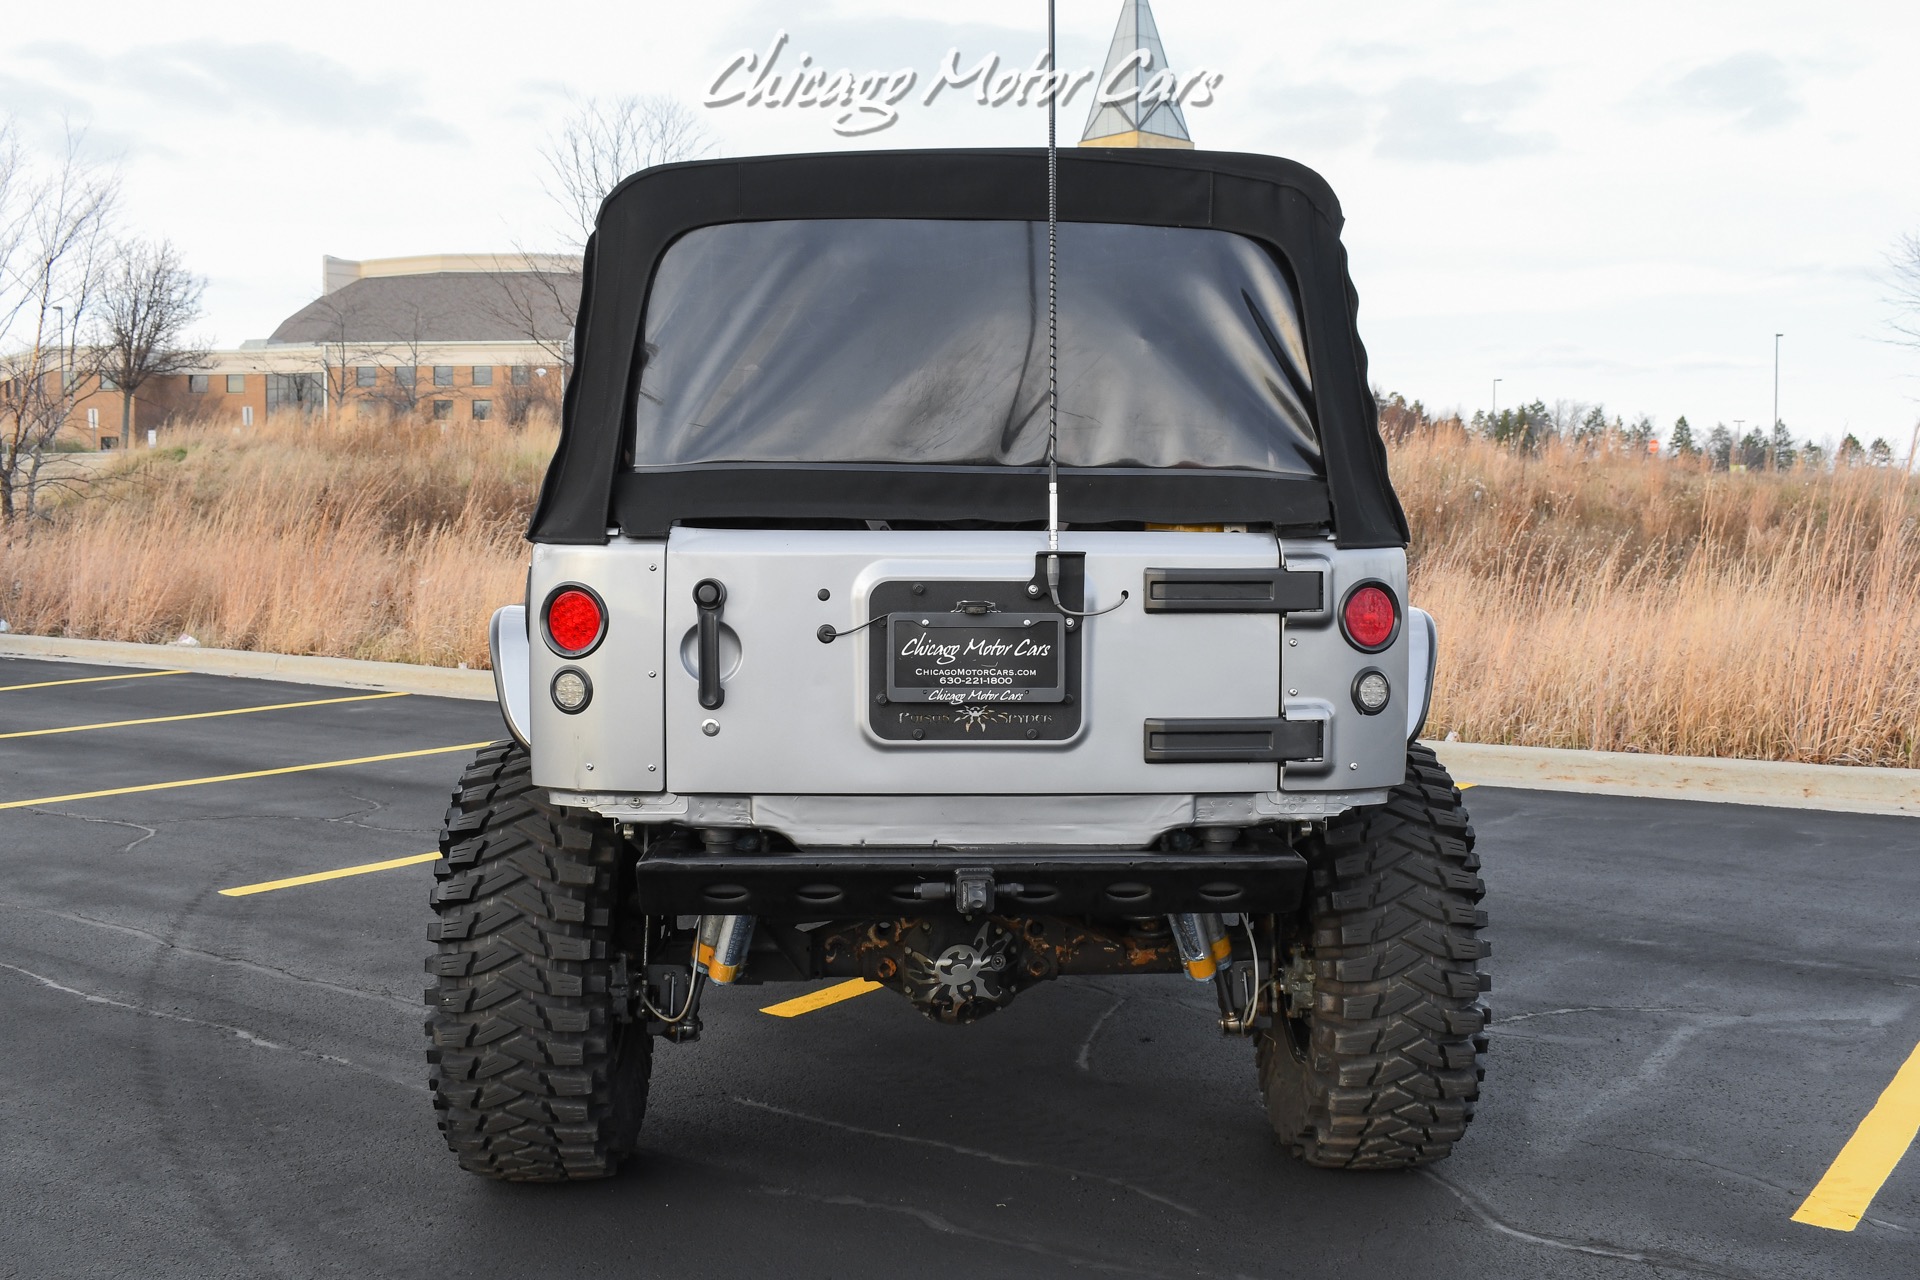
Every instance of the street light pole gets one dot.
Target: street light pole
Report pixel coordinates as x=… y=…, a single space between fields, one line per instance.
x=1776 y=383
x=1496 y=397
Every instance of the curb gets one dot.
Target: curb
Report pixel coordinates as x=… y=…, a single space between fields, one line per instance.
x=1770 y=783
x=350 y=673
x=1775 y=784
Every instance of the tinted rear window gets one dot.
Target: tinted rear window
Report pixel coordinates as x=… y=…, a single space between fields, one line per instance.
x=924 y=341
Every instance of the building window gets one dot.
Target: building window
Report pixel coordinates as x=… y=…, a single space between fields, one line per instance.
x=482 y=410
x=443 y=375
x=483 y=375
x=93 y=419
x=246 y=415
x=305 y=392
x=236 y=384
x=405 y=375
x=107 y=382
x=197 y=383
x=443 y=408
x=520 y=374
x=364 y=375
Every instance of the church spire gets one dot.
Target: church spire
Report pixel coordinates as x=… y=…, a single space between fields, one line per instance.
x=1122 y=124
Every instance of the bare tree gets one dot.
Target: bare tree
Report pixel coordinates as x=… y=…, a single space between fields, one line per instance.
x=54 y=222
x=539 y=307
x=147 y=300
x=401 y=394
x=341 y=353
x=1903 y=272
x=603 y=140
x=599 y=143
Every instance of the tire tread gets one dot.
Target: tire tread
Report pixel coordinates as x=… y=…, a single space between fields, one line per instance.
x=531 y=1075
x=1391 y=1068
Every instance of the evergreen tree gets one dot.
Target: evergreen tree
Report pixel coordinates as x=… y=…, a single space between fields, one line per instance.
x=1535 y=426
x=1880 y=453
x=1813 y=457
x=1753 y=450
x=1850 y=453
x=1720 y=447
x=1639 y=435
x=1593 y=428
x=1780 y=448
x=1681 y=443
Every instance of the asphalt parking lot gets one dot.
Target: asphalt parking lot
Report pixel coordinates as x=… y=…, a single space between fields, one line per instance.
x=1696 y=1006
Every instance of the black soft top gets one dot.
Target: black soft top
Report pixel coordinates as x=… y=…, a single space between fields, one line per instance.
x=592 y=485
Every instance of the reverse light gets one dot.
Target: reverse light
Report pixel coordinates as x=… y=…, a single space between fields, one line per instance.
x=571 y=690
x=1370 y=617
x=1371 y=692
x=574 y=621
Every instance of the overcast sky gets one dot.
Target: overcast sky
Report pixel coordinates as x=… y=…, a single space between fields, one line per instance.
x=1618 y=203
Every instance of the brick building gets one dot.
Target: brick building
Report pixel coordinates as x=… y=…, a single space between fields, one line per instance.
x=460 y=337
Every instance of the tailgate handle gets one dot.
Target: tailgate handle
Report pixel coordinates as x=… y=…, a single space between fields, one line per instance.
x=1233 y=591
x=1253 y=740
x=710 y=596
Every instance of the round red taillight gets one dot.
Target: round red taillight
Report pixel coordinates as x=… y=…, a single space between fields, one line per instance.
x=1370 y=617
x=574 y=621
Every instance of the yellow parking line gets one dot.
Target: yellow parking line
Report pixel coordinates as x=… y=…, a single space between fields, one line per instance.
x=1465 y=786
x=237 y=777
x=199 y=715
x=822 y=998
x=131 y=675
x=1864 y=1164
x=267 y=886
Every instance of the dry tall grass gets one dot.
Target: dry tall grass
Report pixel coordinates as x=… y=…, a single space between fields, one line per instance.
x=362 y=539
x=1625 y=603
x=1600 y=601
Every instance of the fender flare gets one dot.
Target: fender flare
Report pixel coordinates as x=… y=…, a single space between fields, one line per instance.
x=507 y=644
x=1423 y=657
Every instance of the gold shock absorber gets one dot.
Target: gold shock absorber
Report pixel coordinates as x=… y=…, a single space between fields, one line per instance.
x=1204 y=946
x=721 y=949
x=1218 y=940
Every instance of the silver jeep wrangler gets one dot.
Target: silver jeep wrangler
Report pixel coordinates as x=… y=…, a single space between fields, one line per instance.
x=844 y=658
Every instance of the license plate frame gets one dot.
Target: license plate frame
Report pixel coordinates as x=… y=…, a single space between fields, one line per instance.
x=1014 y=658
x=939 y=726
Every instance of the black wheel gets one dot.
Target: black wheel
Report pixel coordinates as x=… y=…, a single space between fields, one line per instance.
x=1379 y=1066
x=535 y=1078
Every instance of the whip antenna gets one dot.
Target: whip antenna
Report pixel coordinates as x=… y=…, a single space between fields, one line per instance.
x=1053 y=290
x=1053 y=338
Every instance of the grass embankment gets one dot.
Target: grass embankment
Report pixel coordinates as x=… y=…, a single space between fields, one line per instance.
x=352 y=539
x=1630 y=604
x=1606 y=601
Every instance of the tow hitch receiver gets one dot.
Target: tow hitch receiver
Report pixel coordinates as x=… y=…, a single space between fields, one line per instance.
x=971 y=890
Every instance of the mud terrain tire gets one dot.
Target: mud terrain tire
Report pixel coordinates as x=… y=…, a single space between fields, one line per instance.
x=1384 y=1072
x=534 y=1078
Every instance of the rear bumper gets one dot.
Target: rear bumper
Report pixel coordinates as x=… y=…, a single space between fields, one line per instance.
x=883 y=884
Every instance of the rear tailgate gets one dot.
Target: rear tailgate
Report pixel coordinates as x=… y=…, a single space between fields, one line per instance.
x=1050 y=707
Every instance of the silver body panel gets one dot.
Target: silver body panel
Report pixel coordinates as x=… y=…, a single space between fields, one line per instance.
x=791 y=748
x=1320 y=667
x=619 y=739
x=796 y=714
